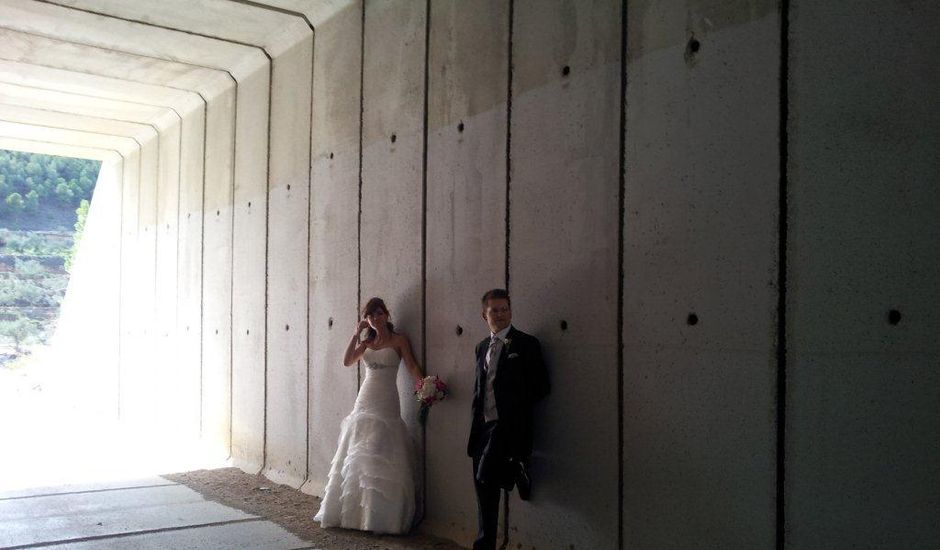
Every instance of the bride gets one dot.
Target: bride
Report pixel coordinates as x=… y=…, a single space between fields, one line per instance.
x=371 y=483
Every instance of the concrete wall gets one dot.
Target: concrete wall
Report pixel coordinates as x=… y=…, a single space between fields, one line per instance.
x=563 y=263
x=709 y=258
x=391 y=244
x=466 y=250
x=864 y=241
x=700 y=239
x=334 y=234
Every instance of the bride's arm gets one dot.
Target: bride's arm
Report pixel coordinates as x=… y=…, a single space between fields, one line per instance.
x=408 y=357
x=356 y=347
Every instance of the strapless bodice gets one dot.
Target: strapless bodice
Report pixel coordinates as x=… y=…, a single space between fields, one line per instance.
x=381 y=358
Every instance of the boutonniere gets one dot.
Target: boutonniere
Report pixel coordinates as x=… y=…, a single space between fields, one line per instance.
x=507 y=341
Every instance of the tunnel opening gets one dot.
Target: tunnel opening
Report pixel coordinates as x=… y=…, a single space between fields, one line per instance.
x=44 y=205
x=73 y=392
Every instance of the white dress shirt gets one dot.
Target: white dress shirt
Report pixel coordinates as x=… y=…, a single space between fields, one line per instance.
x=490 y=364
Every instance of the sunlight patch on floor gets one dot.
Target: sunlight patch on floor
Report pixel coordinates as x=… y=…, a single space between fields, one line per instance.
x=51 y=434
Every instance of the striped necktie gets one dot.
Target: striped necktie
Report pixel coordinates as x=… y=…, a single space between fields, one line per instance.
x=489 y=352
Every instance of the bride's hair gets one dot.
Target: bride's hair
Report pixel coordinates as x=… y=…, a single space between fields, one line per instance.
x=371 y=306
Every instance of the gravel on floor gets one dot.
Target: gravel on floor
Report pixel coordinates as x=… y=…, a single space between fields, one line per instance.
x=294 y=511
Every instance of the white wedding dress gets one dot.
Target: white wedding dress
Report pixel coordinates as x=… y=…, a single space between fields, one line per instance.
x=371 y=483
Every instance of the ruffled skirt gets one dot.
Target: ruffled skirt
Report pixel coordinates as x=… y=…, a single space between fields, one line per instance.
x=371 y=481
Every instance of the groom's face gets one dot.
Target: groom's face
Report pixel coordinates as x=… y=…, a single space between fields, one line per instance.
x=497 y=314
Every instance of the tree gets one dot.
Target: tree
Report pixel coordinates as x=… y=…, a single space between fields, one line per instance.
x=15 y=202
x=63 y=192
x=33 y=168
x=32 y=200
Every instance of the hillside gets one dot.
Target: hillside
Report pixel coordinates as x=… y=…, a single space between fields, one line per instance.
x=42 y=192
x=43 y=202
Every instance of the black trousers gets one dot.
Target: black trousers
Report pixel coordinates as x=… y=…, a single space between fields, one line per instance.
x=487 y=511
x=488 y=480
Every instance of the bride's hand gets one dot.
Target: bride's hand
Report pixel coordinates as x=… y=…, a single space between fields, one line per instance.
x=363 y=325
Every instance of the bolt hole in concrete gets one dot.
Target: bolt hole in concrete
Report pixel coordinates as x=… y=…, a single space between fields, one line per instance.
x=286 y=327
x=564 y=325
x=460 y=126
x=247 y=331
x=566 y=70
x=394 y=138
x=894 y=316
x=216 y=331
x=692 y=319
x=217 y=212
x=329 y=322
x=459 y=330
x=694 y=45
x=249 y=204
x=331 y=156
x=288 y=187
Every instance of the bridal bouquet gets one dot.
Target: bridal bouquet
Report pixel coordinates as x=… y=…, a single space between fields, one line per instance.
x=429 y=390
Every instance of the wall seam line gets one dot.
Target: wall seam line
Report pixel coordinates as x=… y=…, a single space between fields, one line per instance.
x=120 y=285
x=125 y=52
x=362 y=63
x=277 y=9
x=176 y=281
x=55 y=110
x=267 y=262
x=149 y=24
x=202 y=255
x=424 y=244
x=309 y=332
x=509 y=70
x=621 y=271
x=508 y=219
x=782 y=279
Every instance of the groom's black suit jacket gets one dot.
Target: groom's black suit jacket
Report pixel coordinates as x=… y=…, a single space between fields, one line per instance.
x=521 y=380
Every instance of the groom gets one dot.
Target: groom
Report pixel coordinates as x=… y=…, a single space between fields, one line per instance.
x=510 y=379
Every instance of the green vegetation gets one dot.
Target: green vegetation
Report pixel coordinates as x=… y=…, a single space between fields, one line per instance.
x=42 y=199
x=82 y=214
x=33 y=281
x=41 y=192
x=21 y=330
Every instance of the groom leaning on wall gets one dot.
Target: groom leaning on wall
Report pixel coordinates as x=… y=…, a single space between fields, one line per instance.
x=510 y=378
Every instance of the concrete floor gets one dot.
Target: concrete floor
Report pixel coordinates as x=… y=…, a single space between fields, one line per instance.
x=149 y=513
